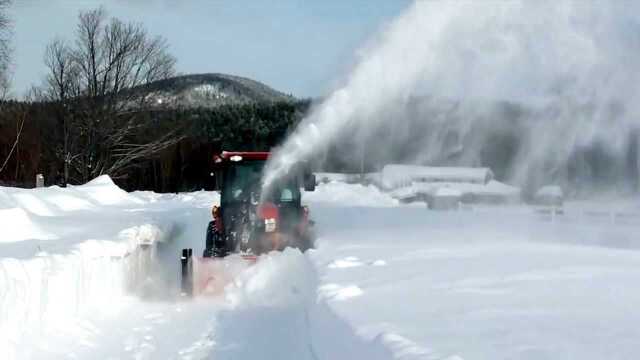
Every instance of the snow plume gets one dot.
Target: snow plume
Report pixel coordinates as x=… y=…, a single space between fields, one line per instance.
x=546 y=91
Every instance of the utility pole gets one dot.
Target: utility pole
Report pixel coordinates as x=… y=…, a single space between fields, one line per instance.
x=364 y=142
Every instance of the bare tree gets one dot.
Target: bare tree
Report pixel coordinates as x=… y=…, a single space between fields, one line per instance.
x=95 y=81
x=62 y=79
x=20 y=115
x=61 y=88
x=19 y=126
x=5 y=47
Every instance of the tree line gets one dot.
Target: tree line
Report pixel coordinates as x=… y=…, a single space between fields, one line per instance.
x=182 y=164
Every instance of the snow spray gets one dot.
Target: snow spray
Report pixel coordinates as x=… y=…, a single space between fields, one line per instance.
x=571 y=65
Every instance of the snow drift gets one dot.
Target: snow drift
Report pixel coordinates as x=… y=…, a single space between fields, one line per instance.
x=337 y=192
x=66 y=252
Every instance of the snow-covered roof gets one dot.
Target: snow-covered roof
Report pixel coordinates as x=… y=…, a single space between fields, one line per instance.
x=492 y=188
x=396 y=175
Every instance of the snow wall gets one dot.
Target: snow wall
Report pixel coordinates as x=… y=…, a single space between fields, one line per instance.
x=64 y=253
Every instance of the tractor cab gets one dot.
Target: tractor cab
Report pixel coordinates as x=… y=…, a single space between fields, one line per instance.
x=251 y=219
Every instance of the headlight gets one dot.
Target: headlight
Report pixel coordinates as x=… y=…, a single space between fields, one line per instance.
x=270 y=225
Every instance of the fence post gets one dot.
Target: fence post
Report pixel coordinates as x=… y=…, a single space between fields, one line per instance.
x=39 y=181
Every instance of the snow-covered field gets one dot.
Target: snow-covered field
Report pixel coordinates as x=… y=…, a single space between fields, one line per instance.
x=91 y=272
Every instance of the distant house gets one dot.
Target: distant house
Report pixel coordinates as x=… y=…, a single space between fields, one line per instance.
x=442 y=186
x=395 y=175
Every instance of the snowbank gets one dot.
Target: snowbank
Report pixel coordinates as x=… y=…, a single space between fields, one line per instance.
x=197 y=198
x=43 y=294
x=55 y=201
x=17 y=225
x=339 y=193
x=66 y=252
x=278 y=279
x=47 y=220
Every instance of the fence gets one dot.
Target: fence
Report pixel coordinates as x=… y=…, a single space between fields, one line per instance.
x=590 y=216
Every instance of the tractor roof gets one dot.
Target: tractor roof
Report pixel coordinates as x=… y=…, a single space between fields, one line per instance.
x=245 y=155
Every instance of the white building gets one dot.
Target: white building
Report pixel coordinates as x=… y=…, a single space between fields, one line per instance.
x=395 y=176
x=472 y=185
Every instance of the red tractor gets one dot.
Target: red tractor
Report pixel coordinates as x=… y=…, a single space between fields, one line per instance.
x=250 y=220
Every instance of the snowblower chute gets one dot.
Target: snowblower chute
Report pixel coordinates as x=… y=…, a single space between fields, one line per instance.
x=249 y=221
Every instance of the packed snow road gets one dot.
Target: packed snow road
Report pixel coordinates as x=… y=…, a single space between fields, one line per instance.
x=91 y=272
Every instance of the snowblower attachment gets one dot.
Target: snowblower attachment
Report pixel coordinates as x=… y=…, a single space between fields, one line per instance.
x=208 y=276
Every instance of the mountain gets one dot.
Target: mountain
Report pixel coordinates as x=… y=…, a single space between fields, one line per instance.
x=209 y=90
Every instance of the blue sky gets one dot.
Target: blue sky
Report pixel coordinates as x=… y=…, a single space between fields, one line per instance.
x=297 y=46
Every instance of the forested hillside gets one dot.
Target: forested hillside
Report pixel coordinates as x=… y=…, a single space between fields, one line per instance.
x=183 y=164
